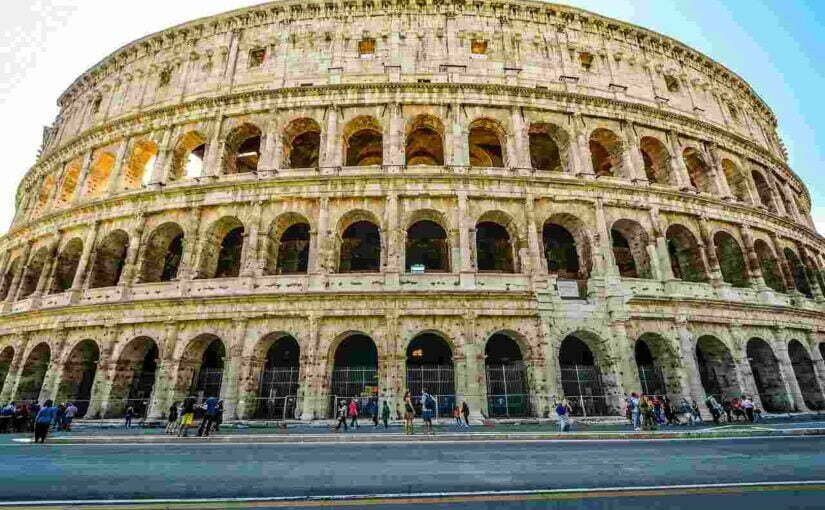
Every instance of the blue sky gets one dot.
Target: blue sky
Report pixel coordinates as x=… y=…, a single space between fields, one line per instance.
x=776 y=46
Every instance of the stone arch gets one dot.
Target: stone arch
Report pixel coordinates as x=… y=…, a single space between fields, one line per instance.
x=6 y=359
x=629 y=241
x=68 y=185
x=803 y=369
x=363 y=142
x=109 y=259
x=606 y=149
x=737 y=182
x=8 y=277
x=99 y=173
x=658 y=364
x=496 y=243
x=685 y=255
x=798 y=271
x=202 y=366
x=288 y=245
x=242 y=149
x=135 y=374
x=486 y=141
x=767 y=375
x=508 y=385
x=549 y=147
x=33 y=373
x=699 y=172
x=164 y=251
x=302 y=143
x=354 y=374
x=360 y=242
x=424 y=143
x=717 y=369
x=567 y=247
x=763 y=190
x=222 y=249
x=188 y=156
x=279 y=355
x=66 y=266
x=581 y=375
x=731 y=259
x=77 y=375
x=429 y=367
x=771 y=271
x=138 y=170
x=427 y=244
x=656 y=159
x=33 y=271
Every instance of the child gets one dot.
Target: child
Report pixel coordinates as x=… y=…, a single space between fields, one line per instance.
x=457 y=416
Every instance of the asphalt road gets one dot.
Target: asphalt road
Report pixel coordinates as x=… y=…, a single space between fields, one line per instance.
x=197 y=470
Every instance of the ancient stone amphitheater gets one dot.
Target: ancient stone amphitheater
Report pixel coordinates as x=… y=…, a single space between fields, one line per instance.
x=502 y=202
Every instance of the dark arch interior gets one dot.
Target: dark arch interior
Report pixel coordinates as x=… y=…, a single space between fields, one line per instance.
x=293 y=250
x=716 y=368
x=560 y=251
x=364 y=148
x=305 y=151
x=361 y=248
x=356 y=351
x=427 y=246
x=229 y=257
x=494 y=251
x=508 y=392
x=284 y=352
x=109 y=260
x=34 y=371
x=544 y=152
x=249 y=152
x=501 y=349
x=643 y=354
x=798 y=272
x=485 y=148
x=424 y=147
x=79 y=375
x=767 y=376
x=210 y=374
x=651 y=377
x=581 y=379
x=213 y=356
x=429 y=349
x=806 y=376
x=731 y=260
x=279 y=383
x=573 y=351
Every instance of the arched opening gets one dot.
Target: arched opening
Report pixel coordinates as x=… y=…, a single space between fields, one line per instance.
x=66 y=266
x=731 y=260
x=71 y=174
x=767 y=376
x=243 y=150
x=188 y=156
x=771 y=271
x=360 y=248
x=685 y=258
x=138 y=170
x=716 y=369
x=278 y=388
x=8 y=277
x=486 y=140
x=581 y=379
x=566 y=247
x=494 y=249
x=33 y=374
x=650 y=374
x=630 y=240
x=208 y=373
x=545 y=142
x=109 y=260
x=427 y=247
x=803 y=369
x=135 y=378
x=656 y=159
x=6 y=357
x=32 y=273
x=430 y=368
x=99 y=172
x=798 y=271
x=363 y=142
x=164 y=251
x=737 y=182
x=354 y=371
x=302 y=144
x=763 y=190
x=222 y=249
x=293 y=250
x=425 y=141
x=606 y=153
x=698 y=171
x=78 y=376
x=508 y=393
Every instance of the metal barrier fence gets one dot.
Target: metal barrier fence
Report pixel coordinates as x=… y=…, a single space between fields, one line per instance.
x=507 y=390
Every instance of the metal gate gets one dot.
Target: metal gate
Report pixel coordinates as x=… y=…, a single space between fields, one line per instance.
x=277 y=394
x=208 y=383
x=582 y=386
x=507 y=390
x=651 y=380
x=359 y=383
x=439 y=380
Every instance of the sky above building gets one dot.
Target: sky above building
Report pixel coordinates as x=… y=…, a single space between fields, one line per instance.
x=775 y=45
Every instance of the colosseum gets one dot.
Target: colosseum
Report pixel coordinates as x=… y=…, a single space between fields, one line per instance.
x=504 y=202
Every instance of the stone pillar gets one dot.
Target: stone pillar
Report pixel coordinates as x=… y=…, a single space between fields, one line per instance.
x=83 y=264
x=813 y=282
x=784 y=266
x=331 y=148
x=518 y=143
x=816 y=359
x=632 y=156
x=680 y=176
x=13 y=375
x=213 y=160
x=457 y=152
x=14 y=286
x=466 y=236
x=232 y=370
x=47 y=273
x=250 y=374
x=709 y=247
x=780 y=347
x=188 y=265
x=583 y=163
x=538 y=263
x=470 y=373
x=163 y=390
x=308 y=393
x=81 y=179
x=689 y=378
x=793 y=212
x=608 y=267
x=271 y=148
x=54 y=373
x=718 y=173
x=250 y=253
x=751 y=257
x=393 y=148
x=163 y=160
x=623 y=352
x=395 y=242
x=120 y=162
x=104 y=377
x=130 y=269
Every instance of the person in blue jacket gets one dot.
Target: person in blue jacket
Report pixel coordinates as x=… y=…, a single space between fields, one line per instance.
x=44 y=419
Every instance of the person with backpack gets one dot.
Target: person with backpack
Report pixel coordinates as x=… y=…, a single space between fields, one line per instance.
x=172 y=419
x=563 y=412
x=427 y=411
x=43 y=421
x=409 y=413
x=209 y=417
x=353 y=414
x=385 y=414
x=187 y=416
x=341 y=413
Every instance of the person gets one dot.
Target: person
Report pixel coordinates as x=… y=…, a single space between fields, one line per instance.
x=130 y=413
x=218 y=417
x=68 y=417
x=187 y=416
x=670 y=412
x=563 y=412
x=633 y=405
x=747 y=405
x=342 y=415
x=409 y=413
x=727 y=408
x=648 y=413
x=373 y=409
x=457 y=417
x=353 y=414
x=713 y=407
x=211 y=407
x=58 y=421
x=43 y=421
x=686 y=411
x=385 y=414
x=697 y=416
x=427 y=410
x=172 y=419
x=465 y=411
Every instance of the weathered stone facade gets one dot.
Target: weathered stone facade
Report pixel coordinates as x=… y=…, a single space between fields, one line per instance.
x=532 y=192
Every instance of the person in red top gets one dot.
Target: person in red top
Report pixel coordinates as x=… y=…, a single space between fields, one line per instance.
x=353 y=413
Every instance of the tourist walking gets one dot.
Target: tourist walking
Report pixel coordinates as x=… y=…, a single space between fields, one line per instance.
x=465 y=411
x=747 y=405
x=172 y=419
x=409 y=413
x=58 y=421
x=43 y=421
x=633 y=407
x=209 y=417
x=457 y=417
x=427 y=410
x=218 y=417
x=187 y=416
x=563 y=410
x=130 y=413
x=68 y=416
x=697 y=416
x=385 y=414
x=342 y=415
x=373 y=408
x=353 y=414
